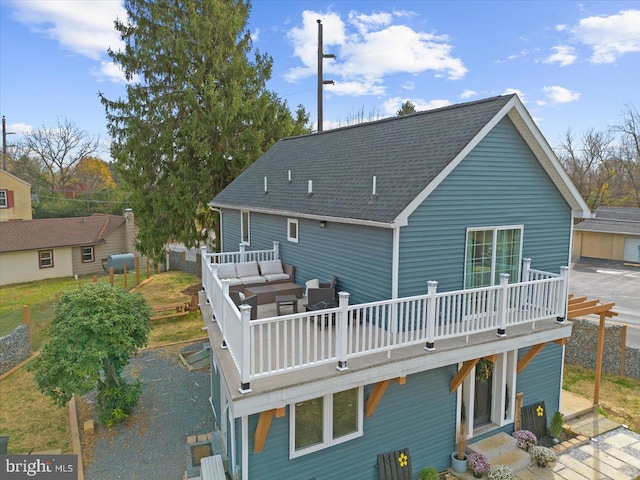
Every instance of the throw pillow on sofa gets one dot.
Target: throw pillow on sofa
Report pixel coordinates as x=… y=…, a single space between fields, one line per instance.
x=227 y=270
x=249 y=274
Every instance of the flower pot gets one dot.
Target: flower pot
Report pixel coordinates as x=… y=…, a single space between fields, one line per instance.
x=477 y=474
x=459 y=466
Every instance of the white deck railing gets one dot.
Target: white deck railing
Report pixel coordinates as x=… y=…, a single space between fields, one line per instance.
x=243 y=255
x=277 y=345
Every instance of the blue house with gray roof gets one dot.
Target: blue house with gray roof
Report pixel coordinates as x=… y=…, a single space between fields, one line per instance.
x=448 y=231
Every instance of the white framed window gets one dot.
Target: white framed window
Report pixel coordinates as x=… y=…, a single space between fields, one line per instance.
x=325 y=421
x=45 y=258
x=4 y=201
x=87 y=254
x=245 y=227
x=292 y=230
x=491 y=251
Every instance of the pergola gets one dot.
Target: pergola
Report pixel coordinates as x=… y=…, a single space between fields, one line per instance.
x=581 y=306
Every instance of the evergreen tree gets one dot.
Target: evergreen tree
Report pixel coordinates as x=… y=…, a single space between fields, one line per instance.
x=406 y=108
x=195 y=115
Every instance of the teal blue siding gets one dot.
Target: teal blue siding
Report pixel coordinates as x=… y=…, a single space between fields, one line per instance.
x=419 y=415
x=359 y=256
x=499 y=183
x=231 y=230
x=541 y=380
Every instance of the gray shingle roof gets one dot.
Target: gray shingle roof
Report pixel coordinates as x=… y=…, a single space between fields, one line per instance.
x=43 y=233
x=404 y=153
x=613 y=220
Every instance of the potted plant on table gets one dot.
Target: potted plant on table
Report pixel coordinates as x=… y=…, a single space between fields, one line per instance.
x=479 y=464
x=459 y=457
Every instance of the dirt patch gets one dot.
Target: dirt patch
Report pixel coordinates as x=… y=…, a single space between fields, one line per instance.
x=192 y=289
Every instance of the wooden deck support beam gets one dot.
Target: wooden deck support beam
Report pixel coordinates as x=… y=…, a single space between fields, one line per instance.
x=530 y=355
x=378 y=392
x=264 y=423
x=462 y=374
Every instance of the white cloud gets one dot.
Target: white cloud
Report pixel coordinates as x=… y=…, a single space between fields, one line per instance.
x=111 y=72
x=610 y=37
x=368 y=48
x=85 y=28
x=355 y=88
x=255 y=35
x=408 y=85
x=391 y=106
x=520 y=94
x=561 y=28
x=557 y=95
x=563 y=54
x=468 y=94
x=19 y=128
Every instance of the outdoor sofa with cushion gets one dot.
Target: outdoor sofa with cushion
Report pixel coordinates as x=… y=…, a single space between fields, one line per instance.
x=266 y=272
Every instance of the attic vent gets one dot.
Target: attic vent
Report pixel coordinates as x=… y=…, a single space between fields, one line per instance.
x=310 y=188
x=289 y=175
x=374 y=186
x=265 y=185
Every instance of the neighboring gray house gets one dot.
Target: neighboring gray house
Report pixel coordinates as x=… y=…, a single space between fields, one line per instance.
x=612 y=234
x=457 y=195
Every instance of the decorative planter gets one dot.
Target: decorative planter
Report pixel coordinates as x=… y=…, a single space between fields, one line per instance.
x=459 y=466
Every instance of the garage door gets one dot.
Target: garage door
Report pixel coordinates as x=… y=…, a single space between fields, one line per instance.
x=632 y=249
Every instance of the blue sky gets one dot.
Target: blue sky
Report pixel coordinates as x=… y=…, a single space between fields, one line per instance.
x=574 y=64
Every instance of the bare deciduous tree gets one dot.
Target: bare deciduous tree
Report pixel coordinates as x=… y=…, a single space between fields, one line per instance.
x=61 y=149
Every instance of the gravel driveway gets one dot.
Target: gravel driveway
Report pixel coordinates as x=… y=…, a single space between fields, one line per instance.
x=151 y=443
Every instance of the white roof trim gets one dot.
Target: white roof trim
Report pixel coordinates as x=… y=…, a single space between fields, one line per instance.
x=541 y=149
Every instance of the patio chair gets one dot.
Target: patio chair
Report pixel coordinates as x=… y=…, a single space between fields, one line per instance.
x=252 y=301
x=326 y=292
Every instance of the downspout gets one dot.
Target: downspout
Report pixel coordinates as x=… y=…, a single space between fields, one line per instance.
x=218 y=240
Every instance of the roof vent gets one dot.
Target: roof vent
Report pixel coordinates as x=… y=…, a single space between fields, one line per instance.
x=310 y=187
x=373 y=192
x=265 y=185
x=289 y=176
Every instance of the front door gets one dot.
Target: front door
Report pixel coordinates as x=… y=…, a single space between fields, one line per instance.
x=482 y=401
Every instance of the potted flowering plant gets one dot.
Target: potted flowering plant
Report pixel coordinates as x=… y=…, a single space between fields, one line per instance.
x=525 y=439
x=500 y=472
x=542 y=455
x=479 y=464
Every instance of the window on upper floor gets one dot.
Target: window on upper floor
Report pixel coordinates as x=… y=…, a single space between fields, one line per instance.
x=87 y=254
x=4 y=199
x=491 y=251
x=325 y=421
x=292 y=230
x=45 y=258
x=245 y=227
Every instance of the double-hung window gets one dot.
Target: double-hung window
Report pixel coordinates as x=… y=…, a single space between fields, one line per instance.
x=4 y=199
x=324 y=421
x=87 y=254
x=491 y=251
x=45 y=258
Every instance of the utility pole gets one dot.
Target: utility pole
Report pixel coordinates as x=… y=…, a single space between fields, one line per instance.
x=4 y=144
x=321 y=82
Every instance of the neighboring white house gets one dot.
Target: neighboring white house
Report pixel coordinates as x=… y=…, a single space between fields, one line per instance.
x=61 y=247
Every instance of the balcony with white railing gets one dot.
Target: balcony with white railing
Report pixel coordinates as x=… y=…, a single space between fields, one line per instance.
x=276 y=345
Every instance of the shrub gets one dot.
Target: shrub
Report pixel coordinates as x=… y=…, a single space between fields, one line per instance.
x=429 y=474
x=116 y=403
x=525 y=439
x=542 y=455
x=500 y=472
x=479 y=463
x=555 y=429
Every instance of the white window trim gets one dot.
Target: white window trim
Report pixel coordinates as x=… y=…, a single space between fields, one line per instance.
x=4 y=200
x=247 y=226
x=502 y=411
x=327 y=418
x=292 y=221
x=93 y=254
x=40 y=265
x=495 y=230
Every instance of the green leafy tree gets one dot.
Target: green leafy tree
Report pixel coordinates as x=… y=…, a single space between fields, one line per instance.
x=406 y=108
x=196 y=112
x=95 y=330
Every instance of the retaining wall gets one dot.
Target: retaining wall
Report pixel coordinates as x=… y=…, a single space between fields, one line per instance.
x=15 y=347
x=185 y=261
x=583 y=345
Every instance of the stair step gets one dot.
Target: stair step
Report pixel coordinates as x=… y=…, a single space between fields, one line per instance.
x=515 y=459
x=494 y=445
